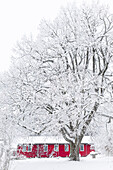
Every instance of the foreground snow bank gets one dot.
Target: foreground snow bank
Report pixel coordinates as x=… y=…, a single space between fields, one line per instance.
x=99 y=163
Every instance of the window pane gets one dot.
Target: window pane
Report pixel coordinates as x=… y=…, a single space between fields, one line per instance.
x=29 y=148
x=66 y=148
x=81 y=147
x=24 y=148
x=45 y=148
x=56 y=148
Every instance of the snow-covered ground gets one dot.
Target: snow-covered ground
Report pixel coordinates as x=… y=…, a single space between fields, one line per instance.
x=99 y=163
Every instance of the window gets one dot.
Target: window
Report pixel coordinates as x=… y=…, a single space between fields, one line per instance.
x=29 y=148
x=92 y=147
x=81 y=147
x=45 y=148
x=56 y=148
x=24 y=148
x=66 y=147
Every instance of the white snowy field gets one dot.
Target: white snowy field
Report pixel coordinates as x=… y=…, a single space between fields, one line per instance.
x=99 y=163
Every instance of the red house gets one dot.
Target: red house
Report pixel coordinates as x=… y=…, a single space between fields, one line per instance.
x=42 y=146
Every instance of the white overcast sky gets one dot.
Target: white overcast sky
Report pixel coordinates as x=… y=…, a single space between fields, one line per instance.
x=21 y=17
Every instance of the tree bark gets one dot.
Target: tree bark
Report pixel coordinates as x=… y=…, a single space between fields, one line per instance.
x=74 y=152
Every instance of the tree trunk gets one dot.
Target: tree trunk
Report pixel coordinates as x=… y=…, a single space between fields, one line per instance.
x=74 y=152
x=6 y=160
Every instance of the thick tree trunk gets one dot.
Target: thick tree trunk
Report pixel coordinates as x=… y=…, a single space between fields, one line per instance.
x=74 y=152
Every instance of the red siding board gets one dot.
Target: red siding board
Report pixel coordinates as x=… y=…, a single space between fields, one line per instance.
x=38 y=151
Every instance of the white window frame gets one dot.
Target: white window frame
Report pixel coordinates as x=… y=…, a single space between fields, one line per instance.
x=46 y=146
x=30 y=149
x=82 y=147
x=66 y=147
x=24 y=149
x=57 y=146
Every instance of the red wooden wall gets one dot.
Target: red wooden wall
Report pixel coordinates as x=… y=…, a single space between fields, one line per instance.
x=38 y=151
x=87 y=150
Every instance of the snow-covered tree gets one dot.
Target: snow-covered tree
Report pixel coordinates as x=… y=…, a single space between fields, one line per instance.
x=79 y=42
x=60 y=81
x=101 y=130
x=5 y=139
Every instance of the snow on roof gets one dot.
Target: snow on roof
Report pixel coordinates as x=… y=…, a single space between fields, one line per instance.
x=87 y=139
x=44 y=139
x=39 y=140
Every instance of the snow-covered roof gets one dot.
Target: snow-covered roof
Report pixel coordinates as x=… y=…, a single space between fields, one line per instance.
x=45 y=139
x=87 y=139
x=39 y=140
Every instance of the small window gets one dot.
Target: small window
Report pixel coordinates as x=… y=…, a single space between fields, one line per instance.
x=92 y=147
x=45 y=148
x=66 y=148
x=56 y=148
x=24 y=148
x=81 y=147
x=29 y=148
